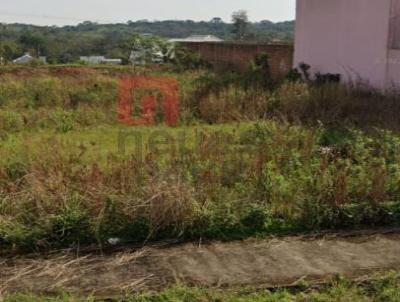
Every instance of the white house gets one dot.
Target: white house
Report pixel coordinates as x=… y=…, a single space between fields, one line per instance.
x=359 y=39
x=25 y=59
x=197 y=39
x=111 y=61
x=95 y=60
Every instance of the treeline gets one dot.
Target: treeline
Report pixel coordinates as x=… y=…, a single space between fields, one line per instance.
x=65 y=44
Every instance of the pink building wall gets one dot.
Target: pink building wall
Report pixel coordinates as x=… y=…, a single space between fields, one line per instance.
x=394 y=69
x=349 y=37
x=393 y=76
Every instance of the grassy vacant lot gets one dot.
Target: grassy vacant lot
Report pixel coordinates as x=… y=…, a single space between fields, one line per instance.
x=244 y=161
x=382 y=289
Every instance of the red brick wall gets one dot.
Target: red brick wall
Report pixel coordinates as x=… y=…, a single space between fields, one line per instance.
x=240 y=55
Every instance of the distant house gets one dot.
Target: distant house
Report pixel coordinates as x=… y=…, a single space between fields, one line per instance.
x=93 y=60
x=144 y=56
x=25 y=59
x=137 y=57
x=96 y=60
x=111 y=61
x=198 y=39
x=239 y=56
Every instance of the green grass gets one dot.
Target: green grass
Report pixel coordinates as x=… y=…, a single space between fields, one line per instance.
x=242 y=162
x=224 y=182
x=382 y=289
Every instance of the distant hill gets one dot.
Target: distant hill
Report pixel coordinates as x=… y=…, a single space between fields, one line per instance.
x=66 y=44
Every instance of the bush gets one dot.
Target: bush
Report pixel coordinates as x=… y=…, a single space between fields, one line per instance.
x=71 y=226
x=64 y=121
x=188 y=60
x=43 y=92
x=11 y=121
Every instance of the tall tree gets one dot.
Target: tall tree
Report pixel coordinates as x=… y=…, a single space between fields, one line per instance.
x=33 y=42
x=9 y=50
x=216 y=20
x=240 y=22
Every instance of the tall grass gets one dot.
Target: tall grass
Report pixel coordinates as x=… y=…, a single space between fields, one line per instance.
x=224 y=183
x=301 y=161
x=49 y=102
x=76 y=97
x=303 y=103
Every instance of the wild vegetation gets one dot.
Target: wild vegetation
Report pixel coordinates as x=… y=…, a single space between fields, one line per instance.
x=66 y=44
x=249 y=158
x=379 y=289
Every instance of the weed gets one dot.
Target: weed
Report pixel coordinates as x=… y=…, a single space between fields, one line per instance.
x=378 y=288
x=296 y=159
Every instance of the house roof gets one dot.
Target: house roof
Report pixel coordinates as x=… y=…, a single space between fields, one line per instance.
x=26 y=58
x=198 y=38
x=112 y=60
x=99 y=60
x=91 y=58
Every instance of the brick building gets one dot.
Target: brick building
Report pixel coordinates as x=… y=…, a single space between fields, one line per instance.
x=238 y=56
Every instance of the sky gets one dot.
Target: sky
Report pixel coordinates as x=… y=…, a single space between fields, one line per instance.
x=71 y=12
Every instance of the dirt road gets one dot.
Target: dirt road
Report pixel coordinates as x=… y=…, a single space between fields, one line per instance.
x=274 y=262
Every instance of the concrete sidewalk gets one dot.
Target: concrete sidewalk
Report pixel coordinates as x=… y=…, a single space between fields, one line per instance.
x=269 y=263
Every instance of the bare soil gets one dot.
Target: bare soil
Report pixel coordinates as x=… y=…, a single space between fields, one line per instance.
x=269 y=263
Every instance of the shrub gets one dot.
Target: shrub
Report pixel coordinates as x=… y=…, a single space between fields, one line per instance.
x=46 y=91
x=187 y=60
x=11 y=121
x=63 y=121
x=70 y=226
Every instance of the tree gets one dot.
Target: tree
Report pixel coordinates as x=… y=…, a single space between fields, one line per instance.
x=240 y=22
x=9 y=50
x=66 y=44
x=149 y=48
x=32 y=42
x=266 y=23
x=216 y=20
